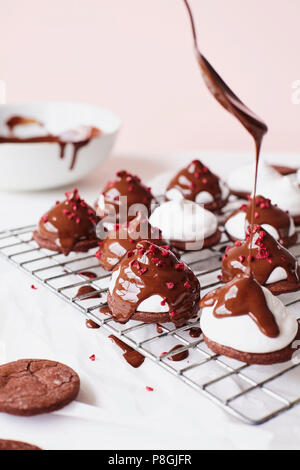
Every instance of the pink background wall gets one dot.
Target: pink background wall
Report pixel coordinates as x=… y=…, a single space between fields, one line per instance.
x=135 y=57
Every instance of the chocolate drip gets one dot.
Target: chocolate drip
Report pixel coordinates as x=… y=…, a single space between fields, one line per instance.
x=195 y=178
x=126 y=185
x=266 y=255
x=71 y=137
x=133 y=357
x=91 y=324
x=124 y=239
x=89 y=274
x=69 y=225
x=195 y=332
x=87 y=290
x=181 y=356
x=225 y=96
x=105 y=310
x=152 y=270
x=242 y=296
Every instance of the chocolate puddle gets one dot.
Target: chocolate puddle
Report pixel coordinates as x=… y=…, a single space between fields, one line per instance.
x=195 y=332
x=87 y=290
x=91 y=324
x=69 y=137
x=181 y=356
x=133 y=357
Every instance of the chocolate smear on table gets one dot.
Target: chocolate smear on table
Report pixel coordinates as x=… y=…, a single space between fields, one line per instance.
x=133 y=357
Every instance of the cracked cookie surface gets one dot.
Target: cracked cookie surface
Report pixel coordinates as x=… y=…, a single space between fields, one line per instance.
x=33 y=386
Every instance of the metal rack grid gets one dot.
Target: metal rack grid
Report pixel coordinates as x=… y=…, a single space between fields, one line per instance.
x=253 y=394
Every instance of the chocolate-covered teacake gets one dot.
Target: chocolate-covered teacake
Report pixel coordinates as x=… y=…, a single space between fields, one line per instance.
x=68 y=226
x=120 y=198
x=273 y=266
x=151 y=285
x=243 y=320
x=124 y=238
x=198 y=184
x=274 y=220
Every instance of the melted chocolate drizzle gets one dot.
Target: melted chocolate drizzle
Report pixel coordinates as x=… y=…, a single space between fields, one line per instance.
x=266 y=255
x=133 y=357
x=152 y=270
x=127 y=185
x=71 y=137
x=242 y=295
x=194 y=179
x=68 y=223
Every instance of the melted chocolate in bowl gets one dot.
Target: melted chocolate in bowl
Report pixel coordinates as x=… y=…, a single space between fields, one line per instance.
x=73 y=136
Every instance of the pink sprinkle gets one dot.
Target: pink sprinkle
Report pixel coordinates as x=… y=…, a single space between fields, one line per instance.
x=179 y=267
x=187 y=285
x=92 y=357
x=78 y=220
x=170 y=285
x=149 y=389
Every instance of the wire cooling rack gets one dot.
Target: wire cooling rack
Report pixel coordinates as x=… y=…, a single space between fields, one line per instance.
x=254 y=394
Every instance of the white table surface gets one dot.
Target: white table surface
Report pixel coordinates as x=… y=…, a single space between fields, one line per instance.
x=113 y=409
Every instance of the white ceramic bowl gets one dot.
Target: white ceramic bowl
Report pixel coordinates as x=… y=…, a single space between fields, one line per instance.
x=35 y=166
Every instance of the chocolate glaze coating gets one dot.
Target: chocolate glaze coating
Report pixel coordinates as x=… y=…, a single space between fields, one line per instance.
x=151 y=270
x=127 y=185
x=69 y=226
x=267 y=254
x=242 y=296
x=267 y=213
x=124 y=238
x=195 y=178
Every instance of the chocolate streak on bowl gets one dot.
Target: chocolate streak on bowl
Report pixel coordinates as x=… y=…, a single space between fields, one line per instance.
x=69 y=137
x=133 y=357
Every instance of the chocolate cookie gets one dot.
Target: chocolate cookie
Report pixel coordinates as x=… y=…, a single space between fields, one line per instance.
x=207 y=242
x=283 y=355
x=16 y=445
x=33 y=386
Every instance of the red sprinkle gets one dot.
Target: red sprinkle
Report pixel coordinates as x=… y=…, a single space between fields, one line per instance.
x=92 y=357
x=241 y=258
x=170 y=285
x=143 y=270
x=163 y=302
x=179 y=267
x=33 y=287
x=173 y=313
x=149 y=389
x=130 y=253
x=78 y=220
x=187 y=285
